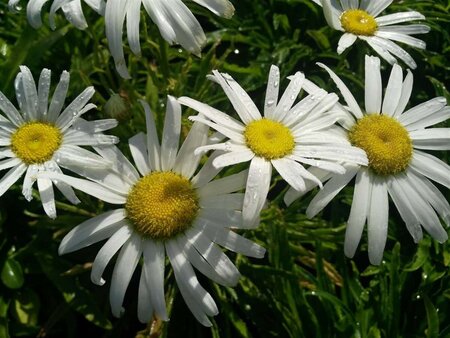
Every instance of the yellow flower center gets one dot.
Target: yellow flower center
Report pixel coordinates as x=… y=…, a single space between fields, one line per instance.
x=269 y=139
x=385 y=141
x=358 y=22
x=162 y=205
x=36 y=142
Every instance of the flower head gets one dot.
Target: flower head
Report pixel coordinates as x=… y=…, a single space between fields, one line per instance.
x=287 y=137
x=394 y=140
x=72 y=10
x=174 y=19
x=39 y=137
x=166 y=209
x=360 y=19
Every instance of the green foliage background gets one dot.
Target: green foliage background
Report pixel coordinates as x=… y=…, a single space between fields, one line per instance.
x=304 y=287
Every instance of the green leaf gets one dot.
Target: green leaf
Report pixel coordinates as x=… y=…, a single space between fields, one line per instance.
x=432 y=318
x=12 y=274
x=26 y=307
x=76 y=296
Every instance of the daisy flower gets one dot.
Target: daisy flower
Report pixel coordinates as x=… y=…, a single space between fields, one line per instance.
x=39 y=137
x=359 y=19
x=164 y=209
x=394 y=140
x=71 y=8
x=174 y=19
x=287 y=137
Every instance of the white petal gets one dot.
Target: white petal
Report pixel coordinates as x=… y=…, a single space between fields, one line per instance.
x=240 y=155
x=213 y=114
x=108 y=250
x=226 y=201
x=88 y=187
x=207 y=171
x=292 y=172
x=433 y=139
x=376 y=7
x=393 y=91
x=197 y=299
x=346 y=40
x=332 y=13
x=400 y=17
x=133 y=19
x=373 y=86
x=154 y=273
x=377 y=220
x=75 y=109
x=187 y=162
x=47 y=196
x=11 y=177
x=115 y=12
x=403 y=38
x=43 y=92
x=123 y=270
x=289 y=96
x=425 y=213
x=232 y=241
x=30 y=97
x=171 y=134
x=406 y=94
x=404 y=207
x=273 y=84
x=381 y=50
x=292 y=194
x=58 y=97
x=219 y=7
x=358 y=213
x=216 y=264
x=257 y=188
x=224 y=185
x=329 y=191
x=145 y=307
x=231 y=134
x=28 y=181
x=431 y=167
x=432 y=195
x=348 y=97
x=240 y=100
x=138 y=148
x=83 y=234
x=423 y=112
x=10 y=111
x=153 y=147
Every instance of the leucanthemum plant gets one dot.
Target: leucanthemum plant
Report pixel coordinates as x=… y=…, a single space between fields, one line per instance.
x=72 y=10
x=166 y=209
x=394 y=140
x=287 y=137
x=174 y=19
x=360 y=19
x=39 y=137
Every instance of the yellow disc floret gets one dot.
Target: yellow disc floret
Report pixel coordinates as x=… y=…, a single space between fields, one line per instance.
x=385 y=141
x=36 y=142
x=358 y=22
x=162 y=205
x=269 y=139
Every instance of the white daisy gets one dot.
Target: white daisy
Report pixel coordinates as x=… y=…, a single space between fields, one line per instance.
x=41 y=138
x=174 y=19
x=359 y=19
x=71 y=8
x=165 y=208
x=394 y=140
x=287 y=137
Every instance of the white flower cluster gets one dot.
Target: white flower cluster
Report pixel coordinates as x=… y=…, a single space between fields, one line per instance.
x=170 y=205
